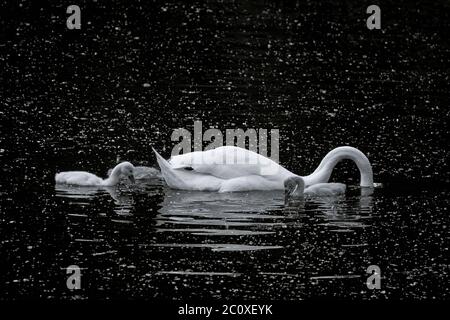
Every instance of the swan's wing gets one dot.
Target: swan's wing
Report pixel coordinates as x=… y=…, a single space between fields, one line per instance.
x=80 y=178
x=229 y=162
x=326 y=189
x=337 y=188
x=186 y=180
x=141 y=172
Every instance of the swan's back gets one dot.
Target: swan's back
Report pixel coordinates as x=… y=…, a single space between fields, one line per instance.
x=326 y=189
x=143 y=173
x=80 y=178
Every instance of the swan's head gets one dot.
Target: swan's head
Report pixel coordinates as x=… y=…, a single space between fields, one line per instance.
x=294 y=188
x=127 y=170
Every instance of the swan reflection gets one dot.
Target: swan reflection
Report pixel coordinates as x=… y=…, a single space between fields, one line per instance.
x=236 y=209
x=122 y=194
x=74 y=192
x=255 y=209
x=231 y=214
x=240 y=221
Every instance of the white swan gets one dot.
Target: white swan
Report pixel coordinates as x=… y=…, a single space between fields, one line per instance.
x=143 y=173
x=294 y=188
x=83 y=178
x=230 y=168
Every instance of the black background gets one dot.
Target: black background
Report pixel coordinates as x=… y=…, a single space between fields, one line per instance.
x=75 y=99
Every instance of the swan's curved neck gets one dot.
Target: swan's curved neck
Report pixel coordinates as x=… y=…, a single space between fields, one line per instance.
x=323 y=172
x=113 y=177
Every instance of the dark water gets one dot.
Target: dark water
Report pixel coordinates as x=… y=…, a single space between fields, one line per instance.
x=147 y=241
x=133 y=74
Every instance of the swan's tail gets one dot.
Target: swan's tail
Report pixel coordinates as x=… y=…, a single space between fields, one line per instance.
x=168 y=173
x=323 y=172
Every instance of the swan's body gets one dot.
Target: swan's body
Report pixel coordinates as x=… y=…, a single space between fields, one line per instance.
x=143 y=173
x=325 y=189
x=229 y=168
x=224 y=169
x=83 y=178
x=294 y=188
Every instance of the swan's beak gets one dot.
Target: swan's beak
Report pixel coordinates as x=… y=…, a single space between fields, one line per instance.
x=131 y=178
x=288 y=193
x=286 y=196
x=295 y=189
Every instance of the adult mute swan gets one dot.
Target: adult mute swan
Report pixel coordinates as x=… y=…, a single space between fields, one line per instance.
x=229 y=168
x=83 y=178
